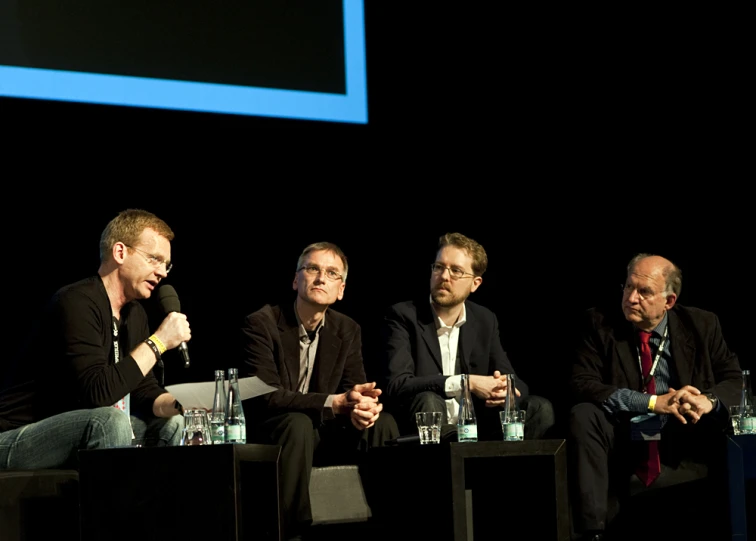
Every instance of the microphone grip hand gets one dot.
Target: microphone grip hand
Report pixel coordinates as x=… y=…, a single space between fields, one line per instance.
x=174 y=330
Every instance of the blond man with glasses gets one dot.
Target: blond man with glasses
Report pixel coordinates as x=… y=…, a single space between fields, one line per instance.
x=85 y=378
x=426 y=342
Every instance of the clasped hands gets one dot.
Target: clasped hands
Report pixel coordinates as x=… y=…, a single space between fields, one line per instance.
x=686 y=402
x=492 y=389
x=361 y=403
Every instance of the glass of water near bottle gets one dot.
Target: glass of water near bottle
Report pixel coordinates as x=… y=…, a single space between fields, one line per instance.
x=196 y=428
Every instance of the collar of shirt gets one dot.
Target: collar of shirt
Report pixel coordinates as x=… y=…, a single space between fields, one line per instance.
x=443 y=327
x=303 y=336
x=659 y=330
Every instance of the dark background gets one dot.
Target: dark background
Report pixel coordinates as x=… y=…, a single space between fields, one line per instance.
x=563 y=141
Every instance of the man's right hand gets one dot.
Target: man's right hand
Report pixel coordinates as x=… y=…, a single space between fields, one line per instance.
x=173 y=330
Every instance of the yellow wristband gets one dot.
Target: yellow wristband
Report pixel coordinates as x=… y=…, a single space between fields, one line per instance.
x=159 y=344
x=652 y=403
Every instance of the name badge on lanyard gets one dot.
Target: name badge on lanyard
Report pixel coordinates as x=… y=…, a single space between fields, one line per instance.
x=124 y=404
x=651 y=372
x=647 y=427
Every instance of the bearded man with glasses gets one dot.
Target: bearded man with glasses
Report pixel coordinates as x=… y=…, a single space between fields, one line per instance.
x=428 y=341
x=323 y=410
x=85 y=377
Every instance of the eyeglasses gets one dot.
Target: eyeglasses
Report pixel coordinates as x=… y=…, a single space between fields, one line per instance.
x=643 y=292
x=314 y=270
x=154 y=260
x=454 y=272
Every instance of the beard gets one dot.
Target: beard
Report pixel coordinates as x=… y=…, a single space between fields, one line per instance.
x=447 y=299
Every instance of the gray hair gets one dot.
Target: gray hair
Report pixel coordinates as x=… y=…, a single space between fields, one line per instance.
x=328 y=247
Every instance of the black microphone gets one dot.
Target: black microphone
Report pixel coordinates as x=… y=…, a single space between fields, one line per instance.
x=402 y=440
x=170 y=302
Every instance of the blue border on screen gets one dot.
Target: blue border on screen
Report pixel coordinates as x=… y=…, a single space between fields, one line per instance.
x=206 y=97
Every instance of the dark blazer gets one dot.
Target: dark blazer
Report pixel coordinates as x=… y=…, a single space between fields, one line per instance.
x=607 y=358
x=270 y=346
x=413 y=356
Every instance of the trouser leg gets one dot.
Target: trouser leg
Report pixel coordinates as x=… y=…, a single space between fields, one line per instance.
x=297 y=436
x=591 y=438
x=158 y=431
x=54 y=442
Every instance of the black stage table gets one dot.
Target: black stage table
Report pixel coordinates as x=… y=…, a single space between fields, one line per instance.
x=210 y=492
x=466 y=491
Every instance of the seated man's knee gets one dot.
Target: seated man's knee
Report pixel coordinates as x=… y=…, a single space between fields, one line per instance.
x=385 y=429
x=171 y=431
x=583 y=416
x=539 y=416
x=294 y=426
x=540 y=408
x=427 y=401
x=108 y=427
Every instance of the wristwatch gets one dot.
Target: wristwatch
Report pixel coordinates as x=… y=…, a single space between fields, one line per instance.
x=714 y=400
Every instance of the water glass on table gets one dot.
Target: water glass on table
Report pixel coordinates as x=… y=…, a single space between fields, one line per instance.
x=512 y=425
x=429 y=426
x=735 y=419
x=196 y=428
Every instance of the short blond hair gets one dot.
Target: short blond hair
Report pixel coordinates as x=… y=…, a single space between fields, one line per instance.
x=127 y=227
x=473 y=249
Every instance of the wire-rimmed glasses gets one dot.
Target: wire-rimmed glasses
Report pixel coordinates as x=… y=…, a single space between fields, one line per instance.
x=314 y=270
x=152 y=259
x=454 y=272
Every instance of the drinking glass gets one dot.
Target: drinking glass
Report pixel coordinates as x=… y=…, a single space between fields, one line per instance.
x=512 y=425
x=429 y=426
x=735 y=419
x=196 y=428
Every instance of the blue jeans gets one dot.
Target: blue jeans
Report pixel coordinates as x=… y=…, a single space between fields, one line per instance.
x=55 y=441
x=158 y=431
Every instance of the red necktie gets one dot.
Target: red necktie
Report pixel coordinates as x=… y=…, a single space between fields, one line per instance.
x=648 y=470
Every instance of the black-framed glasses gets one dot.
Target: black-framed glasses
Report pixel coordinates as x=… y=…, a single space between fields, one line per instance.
x=314 y=270
x=152 y=259
x=454 y=272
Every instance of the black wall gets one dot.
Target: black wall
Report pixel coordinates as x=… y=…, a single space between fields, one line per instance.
x=563 y=142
